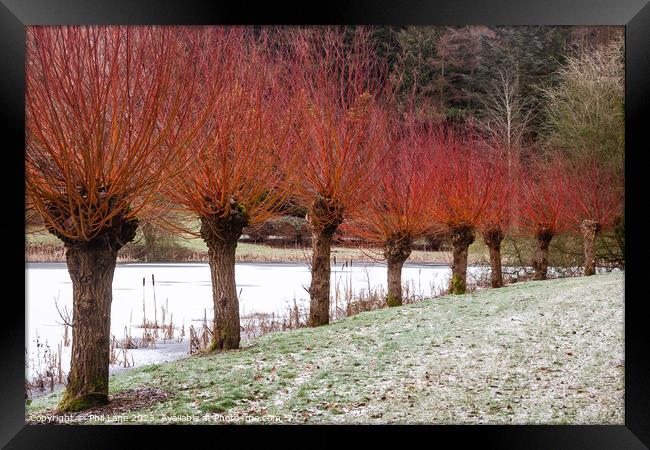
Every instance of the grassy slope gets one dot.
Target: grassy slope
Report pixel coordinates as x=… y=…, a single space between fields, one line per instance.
x=536 y=352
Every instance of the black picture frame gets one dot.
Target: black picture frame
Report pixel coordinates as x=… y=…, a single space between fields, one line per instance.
x=15 y=15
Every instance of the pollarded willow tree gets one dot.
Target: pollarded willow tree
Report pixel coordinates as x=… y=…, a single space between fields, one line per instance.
x=337 y=137
x=496 y=219
x=462 y=178
x=238 y=171
x=398 y=209
x=101 y=103
x=595 y=202
x=543 y=210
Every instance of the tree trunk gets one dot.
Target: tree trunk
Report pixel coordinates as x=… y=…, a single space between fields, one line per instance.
x=540 y=264
x=221 y=235
x=492 y=238
x=91 y=266
x=396 y=251
x=226 y=327
x=319 y=290
x=324 y=217
x=461 y=238
x=590 y=229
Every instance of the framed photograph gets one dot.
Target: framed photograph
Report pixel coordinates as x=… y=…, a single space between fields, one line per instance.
x=409 y=215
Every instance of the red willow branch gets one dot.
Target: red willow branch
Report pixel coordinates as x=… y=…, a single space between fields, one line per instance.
x=105 y=118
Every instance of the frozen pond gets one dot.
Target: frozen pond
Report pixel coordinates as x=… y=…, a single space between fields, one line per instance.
x=186 y=292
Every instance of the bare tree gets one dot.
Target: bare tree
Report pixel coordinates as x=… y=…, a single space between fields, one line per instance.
x=506 y=113
x=505 y=120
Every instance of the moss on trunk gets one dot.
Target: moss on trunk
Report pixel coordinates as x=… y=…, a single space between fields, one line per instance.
x=91 y=266
x=221 y=233
x=324 y=216
x=462 y=236
x=397 y=249
x=492 y=237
